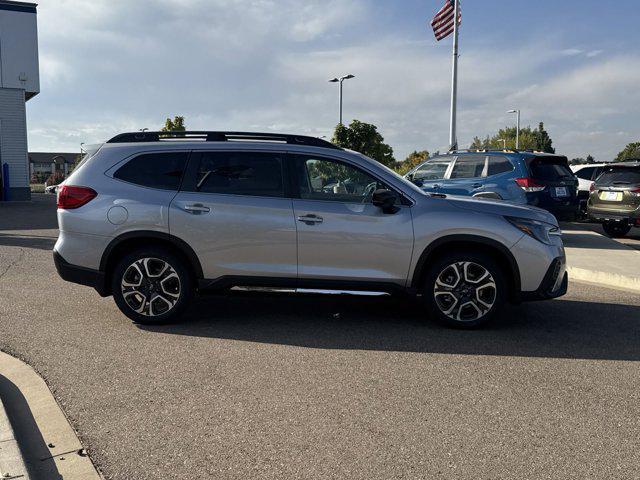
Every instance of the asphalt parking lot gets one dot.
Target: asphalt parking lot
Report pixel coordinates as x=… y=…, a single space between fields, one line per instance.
x=268 y=386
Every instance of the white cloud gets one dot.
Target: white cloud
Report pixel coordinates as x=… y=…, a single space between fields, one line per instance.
x=110 y=66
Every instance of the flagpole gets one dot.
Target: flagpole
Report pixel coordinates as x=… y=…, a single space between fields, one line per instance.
x=453 y=141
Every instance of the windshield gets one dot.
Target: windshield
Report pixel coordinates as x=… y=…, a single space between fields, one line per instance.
x=432 y=170
x=619 y=176
x=406 y=183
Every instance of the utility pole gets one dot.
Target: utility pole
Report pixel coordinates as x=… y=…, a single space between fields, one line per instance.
x=453 y=140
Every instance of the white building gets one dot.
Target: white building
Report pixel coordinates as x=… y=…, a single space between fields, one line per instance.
x=19 y=81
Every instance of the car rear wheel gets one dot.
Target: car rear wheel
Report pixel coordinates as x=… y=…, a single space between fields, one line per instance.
x=616 y=230
x=151 y=286
x=464 y=290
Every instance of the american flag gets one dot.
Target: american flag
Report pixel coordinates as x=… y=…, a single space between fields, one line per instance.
x=442 y=23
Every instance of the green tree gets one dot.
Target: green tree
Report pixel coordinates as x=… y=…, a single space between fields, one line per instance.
x=414 y=159
x=590 y=160
x=175 y=125
x=632 y=150
x=479 y=144
x=364 y=138
x=577 y=161
x=537 y=139
x=543 y=141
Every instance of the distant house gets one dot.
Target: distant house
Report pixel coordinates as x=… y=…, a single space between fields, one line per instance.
x=46 y=163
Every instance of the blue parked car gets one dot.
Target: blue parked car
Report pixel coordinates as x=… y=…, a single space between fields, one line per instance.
x=539 y=179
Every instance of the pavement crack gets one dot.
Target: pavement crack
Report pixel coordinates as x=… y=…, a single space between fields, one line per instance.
x=14 y=263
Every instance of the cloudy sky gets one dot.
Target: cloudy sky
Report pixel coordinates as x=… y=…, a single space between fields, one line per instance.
x=108 y=66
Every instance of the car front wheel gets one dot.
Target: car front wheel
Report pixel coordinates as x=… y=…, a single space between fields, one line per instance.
x=464 y=290
x=151 y=286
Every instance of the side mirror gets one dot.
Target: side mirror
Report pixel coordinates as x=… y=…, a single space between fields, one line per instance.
x=385 y=200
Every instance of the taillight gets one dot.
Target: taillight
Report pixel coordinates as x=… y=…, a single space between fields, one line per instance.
x=70 y=196
x=529 y=184
x=635 y=192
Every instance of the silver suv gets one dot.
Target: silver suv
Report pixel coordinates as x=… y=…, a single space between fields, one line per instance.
x=153 y=218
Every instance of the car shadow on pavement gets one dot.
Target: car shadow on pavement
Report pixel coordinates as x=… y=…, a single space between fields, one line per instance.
x=553 y=329
x=36 y=454
x=27 y=241
x=591 y=241
x=39 y=214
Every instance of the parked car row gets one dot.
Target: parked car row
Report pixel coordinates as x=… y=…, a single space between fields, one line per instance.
x=604 y=193
x=525 y=178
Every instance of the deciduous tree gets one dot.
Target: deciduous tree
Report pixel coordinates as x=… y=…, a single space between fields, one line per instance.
x=632 y=150
x=175 y=125
x=364 y=138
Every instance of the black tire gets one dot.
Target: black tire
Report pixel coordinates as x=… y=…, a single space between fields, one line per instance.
x=616 y=230
x=168 y=301
x=437 y=300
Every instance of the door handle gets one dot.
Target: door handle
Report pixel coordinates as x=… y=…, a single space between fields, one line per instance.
x=310 y=219
x=196 y=208
x=476 y=185
x=435 y=186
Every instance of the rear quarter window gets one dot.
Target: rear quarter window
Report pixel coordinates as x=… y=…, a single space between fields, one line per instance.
x=499 y=164
x=154 y=170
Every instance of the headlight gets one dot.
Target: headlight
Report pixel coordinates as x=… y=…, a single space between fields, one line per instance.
x=541 y=231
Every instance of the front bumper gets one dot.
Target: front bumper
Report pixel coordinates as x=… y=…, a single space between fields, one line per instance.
x=80 y=275
x=553 y=285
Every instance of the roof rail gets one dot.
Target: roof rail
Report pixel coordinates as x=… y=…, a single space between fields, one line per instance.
x=215 y=136
x=480 y=150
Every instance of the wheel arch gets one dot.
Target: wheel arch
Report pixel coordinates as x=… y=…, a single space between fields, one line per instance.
x=497 y=250
x=493 y=195
x=130 y=240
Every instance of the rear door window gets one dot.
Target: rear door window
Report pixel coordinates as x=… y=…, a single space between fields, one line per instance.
x=550 y=168
x=241 y=173
x=469 y=166
x=155 y=170
x=432 y=170
x=499 y=164
x=620 y=176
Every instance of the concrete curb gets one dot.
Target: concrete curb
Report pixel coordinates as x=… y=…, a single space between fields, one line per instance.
x=605 y=279
x=12 y=464
x=49 y=445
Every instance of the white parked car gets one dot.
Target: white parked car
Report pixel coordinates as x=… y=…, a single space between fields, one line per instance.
x=587 y=175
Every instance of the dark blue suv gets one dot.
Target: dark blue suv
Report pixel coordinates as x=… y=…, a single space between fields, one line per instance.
x=539 y=179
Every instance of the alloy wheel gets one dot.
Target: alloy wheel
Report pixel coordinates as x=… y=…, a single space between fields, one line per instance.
x=150 y=286
x=465 y=291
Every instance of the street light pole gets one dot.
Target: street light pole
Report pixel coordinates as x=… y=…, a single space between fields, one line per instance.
x=341 y=80
x=517 y=112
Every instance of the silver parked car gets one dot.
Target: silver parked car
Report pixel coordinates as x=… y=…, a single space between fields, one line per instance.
x=153 y=218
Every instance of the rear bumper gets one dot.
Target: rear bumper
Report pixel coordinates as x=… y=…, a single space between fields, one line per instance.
x=80 y=275
x=560 y=207
x=602 y=215
x=553 y=285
